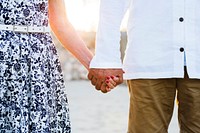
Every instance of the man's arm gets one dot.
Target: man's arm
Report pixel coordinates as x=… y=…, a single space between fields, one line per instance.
x=107 y=60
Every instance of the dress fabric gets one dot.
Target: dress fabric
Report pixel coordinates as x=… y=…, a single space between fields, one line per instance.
x=32 y=96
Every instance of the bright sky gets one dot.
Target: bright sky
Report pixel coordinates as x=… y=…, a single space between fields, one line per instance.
x=83 y=14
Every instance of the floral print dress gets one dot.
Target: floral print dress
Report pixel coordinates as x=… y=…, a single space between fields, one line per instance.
x=32 y=98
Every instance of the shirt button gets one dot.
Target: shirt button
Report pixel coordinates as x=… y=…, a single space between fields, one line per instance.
x=181 y=49
x=181 y=19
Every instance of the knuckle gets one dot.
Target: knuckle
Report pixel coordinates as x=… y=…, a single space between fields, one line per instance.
x=103 y=91
x=97 y=88
x=93 y=82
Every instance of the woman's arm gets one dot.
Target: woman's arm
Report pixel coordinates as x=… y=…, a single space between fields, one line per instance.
x=66 y=34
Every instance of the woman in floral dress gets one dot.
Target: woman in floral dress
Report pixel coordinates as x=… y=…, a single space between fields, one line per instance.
x=32 y=97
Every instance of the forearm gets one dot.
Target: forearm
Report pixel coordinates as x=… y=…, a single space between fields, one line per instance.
x=67 y=35
x=73 y=43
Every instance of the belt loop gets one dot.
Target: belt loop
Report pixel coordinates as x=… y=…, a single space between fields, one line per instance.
x=20 y=28
x=44 y=29
x=14 y=28
x=26 y=27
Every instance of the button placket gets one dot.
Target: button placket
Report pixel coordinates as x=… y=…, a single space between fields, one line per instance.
x=178 y=32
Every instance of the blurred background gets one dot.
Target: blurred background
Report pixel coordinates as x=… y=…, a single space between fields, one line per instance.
x=83 y=14
x=90 y=110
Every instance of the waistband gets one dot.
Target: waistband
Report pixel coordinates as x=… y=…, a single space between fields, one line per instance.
x=25 y=29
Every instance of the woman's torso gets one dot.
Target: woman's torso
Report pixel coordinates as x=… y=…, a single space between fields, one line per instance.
x=24 y=12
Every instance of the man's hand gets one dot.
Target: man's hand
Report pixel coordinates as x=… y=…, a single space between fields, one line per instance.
x=98 y=77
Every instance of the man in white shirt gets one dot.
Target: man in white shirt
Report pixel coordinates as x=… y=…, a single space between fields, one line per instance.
x=162 y=57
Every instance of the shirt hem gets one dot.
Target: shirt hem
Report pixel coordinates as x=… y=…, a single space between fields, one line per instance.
x=158 y=75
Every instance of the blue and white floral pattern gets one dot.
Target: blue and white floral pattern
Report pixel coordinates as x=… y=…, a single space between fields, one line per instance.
x=32 y=98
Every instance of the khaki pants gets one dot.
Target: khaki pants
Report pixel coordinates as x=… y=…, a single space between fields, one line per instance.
x=152 y=103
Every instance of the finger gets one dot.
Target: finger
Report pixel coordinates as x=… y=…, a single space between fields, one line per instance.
x=112 y=80
x=99 y=83
x=120 y=79
x=93 y=81
x=108 y=89
x=116 y=79
x=90 y=76
x=109 y=84
x=104 y=88
x=104 y=91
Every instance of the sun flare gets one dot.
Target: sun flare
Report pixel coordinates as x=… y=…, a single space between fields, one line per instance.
x=83 y=15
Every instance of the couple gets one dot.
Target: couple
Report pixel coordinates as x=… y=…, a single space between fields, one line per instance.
x=161 y=62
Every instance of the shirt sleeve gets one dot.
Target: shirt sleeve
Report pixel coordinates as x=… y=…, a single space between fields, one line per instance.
x=107 y=51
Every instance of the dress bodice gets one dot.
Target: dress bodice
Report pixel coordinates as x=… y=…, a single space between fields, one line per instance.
x=24 y=12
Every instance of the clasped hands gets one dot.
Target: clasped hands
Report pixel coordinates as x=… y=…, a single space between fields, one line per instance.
x=105 y=79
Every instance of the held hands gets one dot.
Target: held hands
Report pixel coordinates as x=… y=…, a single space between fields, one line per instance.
x=111 y=82
x=105 y=79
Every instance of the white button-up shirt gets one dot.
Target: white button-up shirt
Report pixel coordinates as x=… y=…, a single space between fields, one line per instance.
x=159 y=33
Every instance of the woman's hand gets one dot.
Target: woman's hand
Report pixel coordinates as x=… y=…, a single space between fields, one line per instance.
x=111 y=82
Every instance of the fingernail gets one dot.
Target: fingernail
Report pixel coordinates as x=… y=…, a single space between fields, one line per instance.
x=108 y=77
x=112 y=77
x=107 y=81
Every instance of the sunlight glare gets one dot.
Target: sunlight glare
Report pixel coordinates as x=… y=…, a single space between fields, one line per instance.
x=82 y=15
